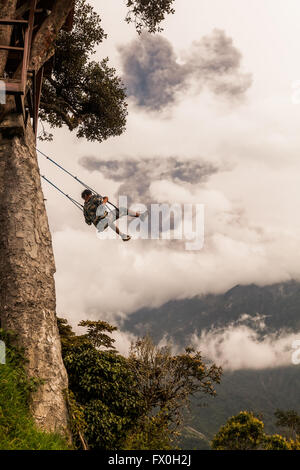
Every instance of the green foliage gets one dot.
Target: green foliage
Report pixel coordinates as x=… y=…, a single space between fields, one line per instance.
x=276 y=442
x=246 y=432
x=295 y=444
x=78 y=423
x=102 y=384
x=67 y=335
x=148 y=14
x=289 y=420
x=85 y=95
x=132 y=403
x=95 y=335
x=151 y=433
x=166 y=383
x=17 y=428
x=241 y=432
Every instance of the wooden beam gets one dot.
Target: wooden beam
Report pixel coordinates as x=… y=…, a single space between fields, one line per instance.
x=36 y=98
x=13 y=88
x=27 y=44
x=11 y=48
x=7 y=22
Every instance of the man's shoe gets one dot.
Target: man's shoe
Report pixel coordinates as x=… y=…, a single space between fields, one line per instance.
x=126 y=238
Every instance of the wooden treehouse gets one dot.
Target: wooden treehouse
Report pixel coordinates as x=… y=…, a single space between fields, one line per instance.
x=17 y=73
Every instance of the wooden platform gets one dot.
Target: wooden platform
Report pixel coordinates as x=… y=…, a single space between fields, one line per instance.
x=17 y=71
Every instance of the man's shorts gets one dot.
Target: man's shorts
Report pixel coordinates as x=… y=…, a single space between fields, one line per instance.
x=111 y=217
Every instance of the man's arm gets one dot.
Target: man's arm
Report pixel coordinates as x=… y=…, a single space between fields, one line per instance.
x=98 y=199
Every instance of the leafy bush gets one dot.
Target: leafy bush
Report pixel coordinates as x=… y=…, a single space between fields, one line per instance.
x=129 y=403
x=17 y=428
x=102 y=385
x=246 y=432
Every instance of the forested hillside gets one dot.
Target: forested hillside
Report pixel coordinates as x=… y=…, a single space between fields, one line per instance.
x=279 y=304
x=262 y=391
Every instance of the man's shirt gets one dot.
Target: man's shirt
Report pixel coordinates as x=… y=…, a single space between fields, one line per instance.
x=90 y=210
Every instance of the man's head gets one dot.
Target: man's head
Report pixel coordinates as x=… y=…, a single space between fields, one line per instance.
x=86 y=194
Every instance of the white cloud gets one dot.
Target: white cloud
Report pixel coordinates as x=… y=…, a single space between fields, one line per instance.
x=240 y=347
x=109 y=279
x=123 y=341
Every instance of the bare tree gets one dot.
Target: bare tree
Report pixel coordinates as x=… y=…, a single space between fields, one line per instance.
x=166 y=383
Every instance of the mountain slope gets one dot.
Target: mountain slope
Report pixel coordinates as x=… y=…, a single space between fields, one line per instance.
x=262 y=391
x=279 y=303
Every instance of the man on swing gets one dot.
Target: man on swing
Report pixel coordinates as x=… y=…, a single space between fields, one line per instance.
x=95 y=212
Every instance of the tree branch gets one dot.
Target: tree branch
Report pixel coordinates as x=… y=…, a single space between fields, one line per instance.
x=71 y=123
x=64 y=99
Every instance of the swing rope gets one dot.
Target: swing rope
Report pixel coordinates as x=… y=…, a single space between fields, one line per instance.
x=74 y=177
x=76 y=203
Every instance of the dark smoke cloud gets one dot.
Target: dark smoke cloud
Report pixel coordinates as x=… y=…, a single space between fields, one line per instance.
x=153 y=76
x=215 y=62
x=136 y=176
x=151 y=73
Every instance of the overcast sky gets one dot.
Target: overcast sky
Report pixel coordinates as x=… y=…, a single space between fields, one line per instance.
x=212 y=94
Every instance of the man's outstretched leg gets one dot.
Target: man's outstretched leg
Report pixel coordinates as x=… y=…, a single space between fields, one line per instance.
x=116 y=229
x=117 y=214
x=124 y=211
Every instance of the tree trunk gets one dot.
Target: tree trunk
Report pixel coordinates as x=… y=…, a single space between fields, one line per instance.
x=27 y=290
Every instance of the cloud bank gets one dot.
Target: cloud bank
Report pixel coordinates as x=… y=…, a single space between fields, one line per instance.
x=137 y=175
x=240 y=346
x=153 y=75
